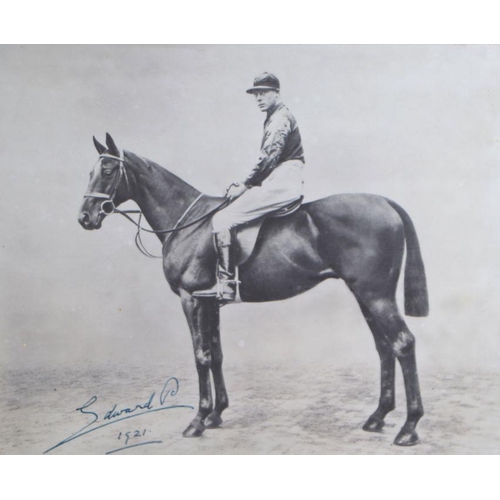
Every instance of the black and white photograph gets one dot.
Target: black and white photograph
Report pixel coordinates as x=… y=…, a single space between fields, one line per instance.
x=250 y=249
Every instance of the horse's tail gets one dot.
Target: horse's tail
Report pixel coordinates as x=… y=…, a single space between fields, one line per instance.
x=415 y=283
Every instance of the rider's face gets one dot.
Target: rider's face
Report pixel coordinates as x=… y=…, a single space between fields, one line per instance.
x=266 y=99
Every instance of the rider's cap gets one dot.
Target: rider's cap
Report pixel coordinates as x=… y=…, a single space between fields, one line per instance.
x=266 y=81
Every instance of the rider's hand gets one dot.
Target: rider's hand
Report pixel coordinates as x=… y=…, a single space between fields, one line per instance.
x=235 y=190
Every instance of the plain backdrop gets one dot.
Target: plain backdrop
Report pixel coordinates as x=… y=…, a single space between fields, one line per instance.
x=418 y=124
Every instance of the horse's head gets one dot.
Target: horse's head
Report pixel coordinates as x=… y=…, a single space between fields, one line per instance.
x=108 y=186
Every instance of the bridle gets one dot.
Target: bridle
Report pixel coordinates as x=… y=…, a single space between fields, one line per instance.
x=108 y=207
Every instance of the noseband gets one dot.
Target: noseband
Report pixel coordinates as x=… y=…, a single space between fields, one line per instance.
x=108 y=205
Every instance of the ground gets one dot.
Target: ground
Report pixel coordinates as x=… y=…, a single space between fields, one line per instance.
x=279 y=408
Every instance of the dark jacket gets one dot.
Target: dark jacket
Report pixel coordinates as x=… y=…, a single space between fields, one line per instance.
x=281 y=142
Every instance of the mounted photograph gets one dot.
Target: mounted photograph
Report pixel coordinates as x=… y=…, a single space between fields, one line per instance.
x=250 y=249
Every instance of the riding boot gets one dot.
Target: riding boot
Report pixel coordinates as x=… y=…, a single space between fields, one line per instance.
x=225 y=288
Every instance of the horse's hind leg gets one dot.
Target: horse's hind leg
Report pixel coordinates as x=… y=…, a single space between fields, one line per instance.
x=390 y=324
x=375 y=422
x=221 y=400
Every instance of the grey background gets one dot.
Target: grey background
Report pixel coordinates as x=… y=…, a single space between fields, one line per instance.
x=418 y=124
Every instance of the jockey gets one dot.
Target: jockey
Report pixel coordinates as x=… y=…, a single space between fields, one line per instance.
x=274 y=182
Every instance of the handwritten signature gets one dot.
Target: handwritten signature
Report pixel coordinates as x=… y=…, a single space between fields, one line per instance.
x=117 y=414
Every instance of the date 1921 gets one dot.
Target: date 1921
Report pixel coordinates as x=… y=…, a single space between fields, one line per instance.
x=127 y=436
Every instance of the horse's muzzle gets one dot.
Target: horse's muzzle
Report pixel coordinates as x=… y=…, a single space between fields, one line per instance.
x=86 y=221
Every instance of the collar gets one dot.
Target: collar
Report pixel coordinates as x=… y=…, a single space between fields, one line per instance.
x=276 y=108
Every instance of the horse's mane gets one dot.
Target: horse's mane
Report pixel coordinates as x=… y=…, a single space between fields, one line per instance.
x=149 y=164
x=152 y=166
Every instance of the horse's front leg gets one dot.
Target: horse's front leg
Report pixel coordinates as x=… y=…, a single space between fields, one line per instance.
x=198 y=314
x=221 y=400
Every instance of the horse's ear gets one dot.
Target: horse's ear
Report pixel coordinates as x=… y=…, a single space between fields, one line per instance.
x=100 y=148
x=111 y=145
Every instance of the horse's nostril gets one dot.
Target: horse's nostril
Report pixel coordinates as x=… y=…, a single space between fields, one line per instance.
x=84 y=218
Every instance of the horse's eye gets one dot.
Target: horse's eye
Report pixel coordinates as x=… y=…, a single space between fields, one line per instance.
x=108 y=173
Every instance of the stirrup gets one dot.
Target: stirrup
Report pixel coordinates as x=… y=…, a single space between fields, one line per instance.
x=222 y=294
x=219 y=291
x=211 y=293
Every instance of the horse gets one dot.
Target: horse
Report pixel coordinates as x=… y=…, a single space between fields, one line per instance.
x=359 y=238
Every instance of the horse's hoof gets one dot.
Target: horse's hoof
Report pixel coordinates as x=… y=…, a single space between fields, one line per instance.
x=374 y=424
x=193 y=432
x=406 y=438
x=213 y=421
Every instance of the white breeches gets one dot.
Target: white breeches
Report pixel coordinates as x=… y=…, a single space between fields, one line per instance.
x=284 y=185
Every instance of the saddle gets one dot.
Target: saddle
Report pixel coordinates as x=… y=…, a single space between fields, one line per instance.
x=245 y=236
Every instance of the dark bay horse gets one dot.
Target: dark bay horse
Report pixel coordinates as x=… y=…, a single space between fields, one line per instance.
x=359 y=238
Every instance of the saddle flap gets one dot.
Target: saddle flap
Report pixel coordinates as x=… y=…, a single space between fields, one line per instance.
x=246 y=234
x=245 y=239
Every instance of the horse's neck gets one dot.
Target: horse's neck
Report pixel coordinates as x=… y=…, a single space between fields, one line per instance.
x=162 y=196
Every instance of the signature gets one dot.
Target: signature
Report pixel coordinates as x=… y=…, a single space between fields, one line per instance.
x=155 y=402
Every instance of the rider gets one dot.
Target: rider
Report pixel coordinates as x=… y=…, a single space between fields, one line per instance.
x=274 y=182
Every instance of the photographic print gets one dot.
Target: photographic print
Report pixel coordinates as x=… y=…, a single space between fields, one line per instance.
x=250 y=249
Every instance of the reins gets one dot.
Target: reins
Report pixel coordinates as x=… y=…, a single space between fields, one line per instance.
x=176 y=227
x=108 y=208
x=138 y=240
